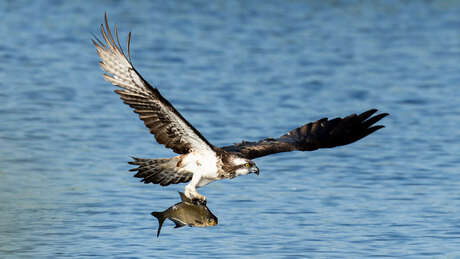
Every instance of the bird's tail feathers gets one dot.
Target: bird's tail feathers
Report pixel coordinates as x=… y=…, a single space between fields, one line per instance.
x=160 y=171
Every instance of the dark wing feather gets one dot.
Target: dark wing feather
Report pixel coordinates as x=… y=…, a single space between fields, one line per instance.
x=323 y=133
x=161 y=118
x=160 y=171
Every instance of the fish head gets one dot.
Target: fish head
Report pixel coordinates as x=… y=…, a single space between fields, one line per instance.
x=203 y=217
x=212 y=221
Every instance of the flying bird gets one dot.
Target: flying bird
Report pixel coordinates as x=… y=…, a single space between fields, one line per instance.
x=198 y=161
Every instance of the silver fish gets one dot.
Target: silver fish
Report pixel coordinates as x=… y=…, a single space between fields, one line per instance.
x=186 y=213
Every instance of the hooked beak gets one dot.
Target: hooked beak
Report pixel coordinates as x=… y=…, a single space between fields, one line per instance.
x=255 y=170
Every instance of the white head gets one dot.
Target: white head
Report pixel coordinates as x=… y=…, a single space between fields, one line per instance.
x=243 y=166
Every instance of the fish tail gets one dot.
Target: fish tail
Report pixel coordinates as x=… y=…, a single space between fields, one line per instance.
x=161 y=219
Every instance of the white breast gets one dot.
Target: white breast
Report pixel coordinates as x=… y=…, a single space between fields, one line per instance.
x=203 y=163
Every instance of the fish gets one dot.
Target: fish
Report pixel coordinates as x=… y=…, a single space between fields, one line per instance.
x=185 y=213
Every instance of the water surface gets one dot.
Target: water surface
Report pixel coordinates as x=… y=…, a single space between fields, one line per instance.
x=236 y=70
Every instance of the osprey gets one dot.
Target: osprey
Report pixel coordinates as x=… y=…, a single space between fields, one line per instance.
x=198 y=161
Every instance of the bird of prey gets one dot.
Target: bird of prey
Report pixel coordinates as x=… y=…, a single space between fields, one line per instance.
x=198 y=161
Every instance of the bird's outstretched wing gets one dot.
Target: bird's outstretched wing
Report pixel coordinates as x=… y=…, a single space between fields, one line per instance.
x=161 y=118
x=323 y=133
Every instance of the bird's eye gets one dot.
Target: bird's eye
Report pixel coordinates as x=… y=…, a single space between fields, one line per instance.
x=247 y=165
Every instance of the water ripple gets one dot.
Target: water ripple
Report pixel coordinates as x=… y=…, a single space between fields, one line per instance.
x=239 y=69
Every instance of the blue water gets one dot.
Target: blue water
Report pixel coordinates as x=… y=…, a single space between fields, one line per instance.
x=236 y=70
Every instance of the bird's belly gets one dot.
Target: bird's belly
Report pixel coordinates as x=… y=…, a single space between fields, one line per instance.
x=203 y=164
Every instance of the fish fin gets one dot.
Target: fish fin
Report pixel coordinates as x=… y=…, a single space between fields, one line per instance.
x=178 y=223
x=184 y=198
x=161 y=219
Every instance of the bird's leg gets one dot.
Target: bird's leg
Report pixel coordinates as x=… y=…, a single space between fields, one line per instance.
x=190 y=191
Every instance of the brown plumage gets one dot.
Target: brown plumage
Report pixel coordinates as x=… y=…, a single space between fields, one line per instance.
x=199 y=161
x=322 y=133
x=161 y=118
x=159 y=171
